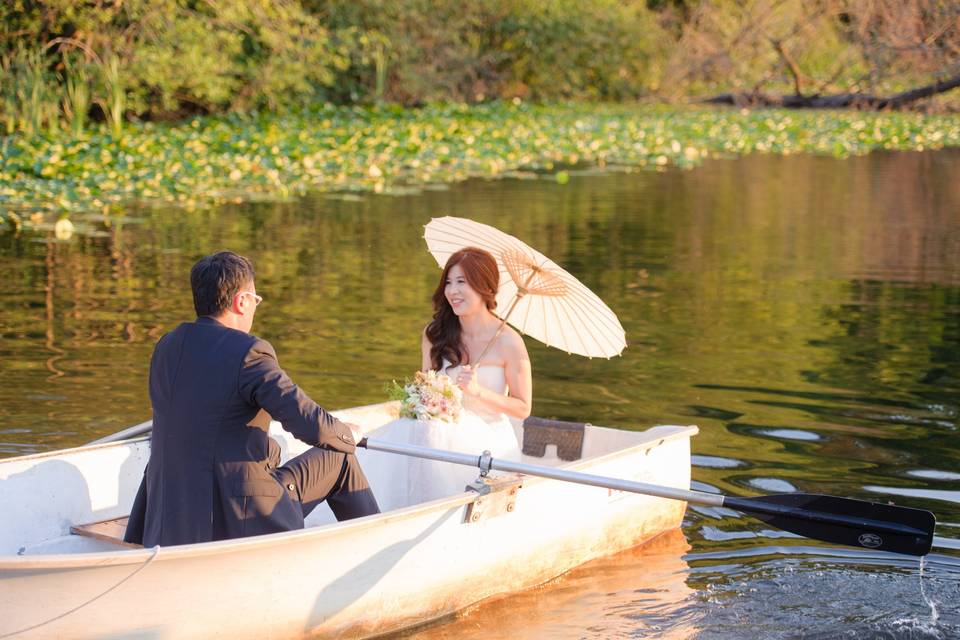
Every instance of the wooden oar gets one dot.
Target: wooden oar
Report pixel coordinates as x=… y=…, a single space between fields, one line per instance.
x=838 y=520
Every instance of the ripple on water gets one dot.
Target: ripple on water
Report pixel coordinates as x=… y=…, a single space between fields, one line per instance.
x=791 y=434
x=853 y=600
x=696 y=485
x=716 y=534
x=715 y=462
x=933 y=474
x=713 y=512
x=926 y=494
x=773 y=485
x=641 y=592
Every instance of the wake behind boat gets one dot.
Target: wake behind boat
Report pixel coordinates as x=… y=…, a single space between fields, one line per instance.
x=65 y=573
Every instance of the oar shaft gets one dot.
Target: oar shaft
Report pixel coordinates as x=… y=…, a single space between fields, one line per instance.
x=126 y=434
x=609 y=483
x=746 y=505
x=466 y=459
x=617 y=484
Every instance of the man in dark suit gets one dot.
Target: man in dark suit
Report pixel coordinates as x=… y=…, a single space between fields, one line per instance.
x=213 y=472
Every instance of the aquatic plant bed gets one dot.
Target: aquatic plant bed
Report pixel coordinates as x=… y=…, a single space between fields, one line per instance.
x=393 y=151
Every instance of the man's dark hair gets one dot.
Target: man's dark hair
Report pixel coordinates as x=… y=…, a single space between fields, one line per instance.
x=216 y=278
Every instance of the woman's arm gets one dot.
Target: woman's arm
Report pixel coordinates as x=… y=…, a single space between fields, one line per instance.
x=519 y=380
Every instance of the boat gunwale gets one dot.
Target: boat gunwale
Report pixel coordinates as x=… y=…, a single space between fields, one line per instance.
x=656 y=438
x=96 y=444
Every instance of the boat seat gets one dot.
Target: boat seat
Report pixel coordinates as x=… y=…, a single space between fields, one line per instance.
x=567 y=436
x=106 y=530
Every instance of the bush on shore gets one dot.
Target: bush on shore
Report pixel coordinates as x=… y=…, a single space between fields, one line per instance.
x=169 y=59
x=381 y=149
x=64 y=62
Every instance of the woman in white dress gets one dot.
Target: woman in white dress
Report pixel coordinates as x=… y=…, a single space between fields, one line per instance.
x=494 y=389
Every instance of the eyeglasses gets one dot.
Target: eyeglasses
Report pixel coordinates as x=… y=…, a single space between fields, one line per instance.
x=256 y=299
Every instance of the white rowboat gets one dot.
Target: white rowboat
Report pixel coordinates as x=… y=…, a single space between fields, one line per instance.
x=359 y=578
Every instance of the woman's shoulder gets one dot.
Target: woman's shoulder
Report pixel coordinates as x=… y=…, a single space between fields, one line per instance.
x=511 y=340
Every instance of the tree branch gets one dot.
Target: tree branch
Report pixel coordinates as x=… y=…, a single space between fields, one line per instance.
x=790 y=62
x=838 y=101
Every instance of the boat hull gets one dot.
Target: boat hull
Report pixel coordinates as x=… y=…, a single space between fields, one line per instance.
x=360 y=578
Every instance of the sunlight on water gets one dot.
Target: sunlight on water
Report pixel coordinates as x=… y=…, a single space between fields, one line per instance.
x=790 y=434
x=803 y=312
x=716 y=462
x=933 y=474
x=927 y=494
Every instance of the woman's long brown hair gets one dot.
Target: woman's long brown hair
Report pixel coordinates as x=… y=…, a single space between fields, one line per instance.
x=482 y=274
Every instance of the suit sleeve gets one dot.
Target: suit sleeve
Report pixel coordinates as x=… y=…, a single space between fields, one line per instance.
x=262 y=383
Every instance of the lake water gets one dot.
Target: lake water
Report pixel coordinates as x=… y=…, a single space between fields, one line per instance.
x=803 y=311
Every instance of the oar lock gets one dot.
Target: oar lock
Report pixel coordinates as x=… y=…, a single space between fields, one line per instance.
x=485 y=462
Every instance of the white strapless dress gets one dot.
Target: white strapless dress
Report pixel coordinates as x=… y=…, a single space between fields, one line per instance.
x=398 y=481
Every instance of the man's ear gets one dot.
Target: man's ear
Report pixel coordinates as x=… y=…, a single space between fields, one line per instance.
x=236 y=305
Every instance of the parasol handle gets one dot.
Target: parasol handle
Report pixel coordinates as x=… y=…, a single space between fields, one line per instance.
x=521 y=291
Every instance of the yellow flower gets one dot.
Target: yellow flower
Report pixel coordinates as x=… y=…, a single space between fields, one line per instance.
x=63 y=229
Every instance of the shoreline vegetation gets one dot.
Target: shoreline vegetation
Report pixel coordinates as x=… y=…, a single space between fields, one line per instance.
x=196 y=102
x=346 y=150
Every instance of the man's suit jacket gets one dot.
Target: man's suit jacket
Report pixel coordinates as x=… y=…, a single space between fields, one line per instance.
x=211 y=475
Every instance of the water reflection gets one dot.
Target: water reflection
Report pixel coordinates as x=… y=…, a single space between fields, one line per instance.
x=804 y=312
x=638 y=593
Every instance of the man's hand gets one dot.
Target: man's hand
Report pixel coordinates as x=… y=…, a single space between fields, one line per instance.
x=356 y=431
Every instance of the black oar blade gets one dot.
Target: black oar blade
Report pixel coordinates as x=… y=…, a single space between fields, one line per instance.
x=846 y=521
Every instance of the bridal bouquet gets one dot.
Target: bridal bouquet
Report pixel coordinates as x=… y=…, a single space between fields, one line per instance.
x=429 y=396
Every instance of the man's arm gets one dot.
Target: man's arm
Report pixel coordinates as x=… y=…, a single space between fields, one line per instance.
x=264 y=384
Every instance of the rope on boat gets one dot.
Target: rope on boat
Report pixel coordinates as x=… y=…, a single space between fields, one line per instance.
x=153 y=555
